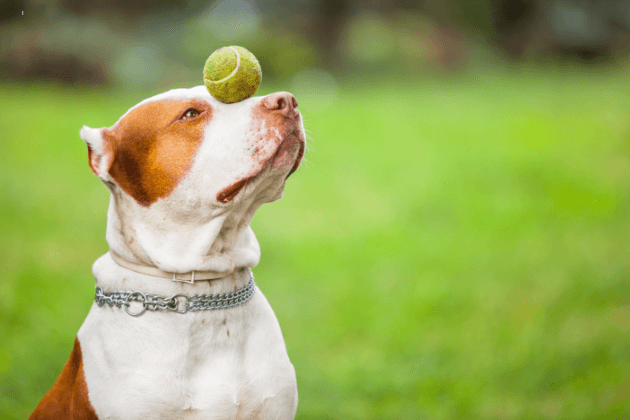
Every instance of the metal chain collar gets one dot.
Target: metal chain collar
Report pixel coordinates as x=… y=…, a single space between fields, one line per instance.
x=159 y=303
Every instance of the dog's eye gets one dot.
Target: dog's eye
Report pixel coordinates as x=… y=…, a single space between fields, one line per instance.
x=191 y=113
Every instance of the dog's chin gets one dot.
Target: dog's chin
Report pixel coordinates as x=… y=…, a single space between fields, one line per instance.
x=287 y=157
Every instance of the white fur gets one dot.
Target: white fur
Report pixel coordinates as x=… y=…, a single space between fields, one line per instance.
x=164 y=365
x=92 y=136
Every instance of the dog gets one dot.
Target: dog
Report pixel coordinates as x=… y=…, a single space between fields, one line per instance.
x=186 y=175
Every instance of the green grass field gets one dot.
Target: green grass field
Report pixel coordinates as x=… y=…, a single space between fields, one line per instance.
x=451 y=249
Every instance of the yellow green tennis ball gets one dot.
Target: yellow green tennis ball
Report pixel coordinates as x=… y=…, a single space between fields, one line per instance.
x=232 y=74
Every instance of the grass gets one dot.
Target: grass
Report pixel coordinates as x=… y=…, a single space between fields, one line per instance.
x=452 y=249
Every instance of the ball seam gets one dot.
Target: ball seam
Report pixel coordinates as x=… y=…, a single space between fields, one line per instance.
x=238 y=63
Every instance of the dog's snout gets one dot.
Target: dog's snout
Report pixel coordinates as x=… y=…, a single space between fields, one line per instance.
x=282 y=102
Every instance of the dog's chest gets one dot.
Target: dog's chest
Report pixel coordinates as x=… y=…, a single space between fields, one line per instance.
x=211 y=365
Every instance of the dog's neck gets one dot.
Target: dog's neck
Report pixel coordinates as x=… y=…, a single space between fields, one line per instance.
x=113 y=277
x=222 y=242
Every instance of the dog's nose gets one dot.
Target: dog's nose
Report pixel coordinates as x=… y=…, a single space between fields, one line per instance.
x=282 y=102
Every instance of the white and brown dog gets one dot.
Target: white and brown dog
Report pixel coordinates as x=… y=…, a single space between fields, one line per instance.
x=186 y=175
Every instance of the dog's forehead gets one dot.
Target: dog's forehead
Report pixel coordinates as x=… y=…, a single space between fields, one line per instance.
x=197 y=92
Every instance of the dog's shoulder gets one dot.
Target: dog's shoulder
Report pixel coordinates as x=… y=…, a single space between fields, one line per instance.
x=68 y=398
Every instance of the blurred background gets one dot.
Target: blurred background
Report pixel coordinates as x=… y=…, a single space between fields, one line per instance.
x=455 y=245
x=163 y=43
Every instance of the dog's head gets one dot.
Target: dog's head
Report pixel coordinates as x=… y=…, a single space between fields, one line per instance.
x=187 y=173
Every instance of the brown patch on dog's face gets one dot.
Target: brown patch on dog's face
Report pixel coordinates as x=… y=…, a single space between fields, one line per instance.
x=154 y=146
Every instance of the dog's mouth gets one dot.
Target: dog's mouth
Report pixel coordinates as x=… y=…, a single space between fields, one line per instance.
x=227 y=194
x=279 y=158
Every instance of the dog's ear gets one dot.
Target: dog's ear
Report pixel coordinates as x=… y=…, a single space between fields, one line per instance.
x=100 y=150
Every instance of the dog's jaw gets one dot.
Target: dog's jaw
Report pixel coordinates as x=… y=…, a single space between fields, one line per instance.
x=200 y=219
x=288 y=153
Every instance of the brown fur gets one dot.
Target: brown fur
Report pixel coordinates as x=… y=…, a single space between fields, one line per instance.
x=68 y=398
x=154 y=146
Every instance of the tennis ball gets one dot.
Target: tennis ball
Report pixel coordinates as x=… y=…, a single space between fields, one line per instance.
x=232 y=74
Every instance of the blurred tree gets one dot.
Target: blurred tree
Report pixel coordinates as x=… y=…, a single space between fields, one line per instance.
x=11 y=9
x=122 y=7
x=328 y=21
x=581 y=28
x=513 y=24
